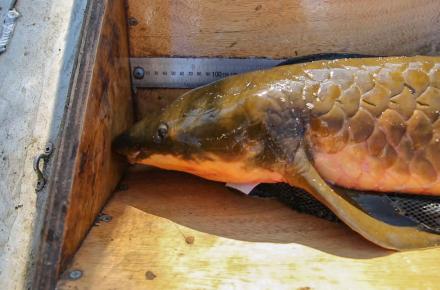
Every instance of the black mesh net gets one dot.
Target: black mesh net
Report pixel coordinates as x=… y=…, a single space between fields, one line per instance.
x=424 y=211
x=295 y=198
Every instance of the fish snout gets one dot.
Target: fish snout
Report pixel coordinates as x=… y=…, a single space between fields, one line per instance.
x=126 y=145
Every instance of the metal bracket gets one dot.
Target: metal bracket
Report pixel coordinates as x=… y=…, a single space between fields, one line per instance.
x=8 y=28
x=41 y=180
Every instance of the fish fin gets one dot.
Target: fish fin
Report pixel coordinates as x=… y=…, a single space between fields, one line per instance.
x=322 y=56
x=397 y=209
x=371 y=217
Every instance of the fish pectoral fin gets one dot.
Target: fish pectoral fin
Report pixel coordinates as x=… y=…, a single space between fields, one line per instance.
x=372 y=216
x=397 y=209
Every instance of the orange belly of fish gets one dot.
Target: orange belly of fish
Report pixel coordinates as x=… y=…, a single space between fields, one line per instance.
x=215 y=169
x=354 y=168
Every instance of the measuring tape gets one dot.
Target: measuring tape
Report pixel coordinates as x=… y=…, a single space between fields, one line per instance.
x=176 y=72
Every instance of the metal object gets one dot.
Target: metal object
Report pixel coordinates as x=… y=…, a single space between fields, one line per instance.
x=8 y=28
x=75 y=274
x=132 y=21
x=138 y=73
x=104 y=218
x=177 y=72
x=41 y=181
x=12 y=5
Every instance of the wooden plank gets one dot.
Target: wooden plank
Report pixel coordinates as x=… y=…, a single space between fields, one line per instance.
x=175 y=231
x=85 y=171
x=153 y=101
x=282 y=28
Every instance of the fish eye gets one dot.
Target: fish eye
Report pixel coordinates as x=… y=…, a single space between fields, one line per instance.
x=162 y=131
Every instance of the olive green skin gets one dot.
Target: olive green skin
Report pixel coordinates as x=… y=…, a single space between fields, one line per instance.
x=226 y=119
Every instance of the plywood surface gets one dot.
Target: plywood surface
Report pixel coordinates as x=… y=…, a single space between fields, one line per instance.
x=148 y=102
x=282 y=28
x=175 y=231
x=108 y=112
x=85 y=170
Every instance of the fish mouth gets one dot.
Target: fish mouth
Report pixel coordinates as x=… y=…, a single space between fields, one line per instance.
x=122 y=144
x=126 y=145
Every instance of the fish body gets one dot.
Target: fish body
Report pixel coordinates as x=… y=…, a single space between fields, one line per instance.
x=363 y=124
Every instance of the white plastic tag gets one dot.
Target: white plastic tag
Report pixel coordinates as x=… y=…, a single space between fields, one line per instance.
x=243 y=187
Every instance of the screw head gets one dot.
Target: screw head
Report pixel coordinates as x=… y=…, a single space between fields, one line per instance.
x=105 y=218
x=75 y=274
x=138 y=73
x=40 y=185
x=132 y=21
x=48 y=149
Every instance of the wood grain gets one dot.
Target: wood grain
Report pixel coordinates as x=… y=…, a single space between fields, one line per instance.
x=149 y=102
x=283 y=28
x=175 y=231
x=85 y=171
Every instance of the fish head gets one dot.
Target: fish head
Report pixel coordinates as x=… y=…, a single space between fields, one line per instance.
x=205 y=124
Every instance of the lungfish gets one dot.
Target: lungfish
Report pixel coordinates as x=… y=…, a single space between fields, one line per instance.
x=346 y=130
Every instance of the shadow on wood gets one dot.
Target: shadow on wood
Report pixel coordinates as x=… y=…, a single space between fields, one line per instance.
x=175 y=231
x=210 y=207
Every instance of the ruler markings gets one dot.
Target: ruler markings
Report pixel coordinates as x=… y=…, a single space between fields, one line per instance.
x=162 y=72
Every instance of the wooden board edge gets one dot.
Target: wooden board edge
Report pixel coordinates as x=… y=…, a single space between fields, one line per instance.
x=48 y=257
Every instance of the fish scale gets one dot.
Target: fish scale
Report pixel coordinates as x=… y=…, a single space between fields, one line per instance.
x=370 y=131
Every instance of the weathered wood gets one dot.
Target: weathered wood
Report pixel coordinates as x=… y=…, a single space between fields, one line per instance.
x=283 y=28
x=175 y=231
x=85 y=171
x=148 y=102
x=276 y=29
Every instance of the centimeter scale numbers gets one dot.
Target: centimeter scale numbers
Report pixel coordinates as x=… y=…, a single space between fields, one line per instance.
x=214 y=74
x=160 y=72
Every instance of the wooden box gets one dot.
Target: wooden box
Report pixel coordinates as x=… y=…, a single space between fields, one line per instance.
x=110 y=227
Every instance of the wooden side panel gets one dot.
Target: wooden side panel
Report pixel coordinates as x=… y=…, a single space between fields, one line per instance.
x=175 y=231
x=153 y=101
x=282 y=28
x=85 y=171
x=108 y=113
